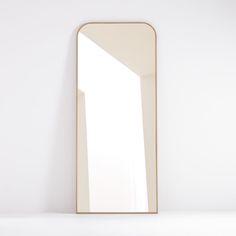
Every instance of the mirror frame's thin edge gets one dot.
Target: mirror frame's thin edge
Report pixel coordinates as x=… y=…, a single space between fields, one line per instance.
x=156 y=123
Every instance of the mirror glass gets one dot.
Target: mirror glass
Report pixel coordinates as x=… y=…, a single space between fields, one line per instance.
x=116 y=118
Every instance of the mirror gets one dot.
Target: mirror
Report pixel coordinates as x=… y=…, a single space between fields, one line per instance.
x=116 y=118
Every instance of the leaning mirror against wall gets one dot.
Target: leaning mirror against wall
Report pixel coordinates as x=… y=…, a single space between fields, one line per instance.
x=116 y=118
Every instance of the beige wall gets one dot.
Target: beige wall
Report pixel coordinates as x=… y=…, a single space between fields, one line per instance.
x=149 y=127
x=82 y=157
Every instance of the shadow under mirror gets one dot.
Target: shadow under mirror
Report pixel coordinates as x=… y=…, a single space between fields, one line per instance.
x=116 y=118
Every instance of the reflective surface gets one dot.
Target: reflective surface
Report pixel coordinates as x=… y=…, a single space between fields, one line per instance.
x=116 y=118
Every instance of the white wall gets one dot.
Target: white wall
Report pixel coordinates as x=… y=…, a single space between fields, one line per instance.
x=196 y=100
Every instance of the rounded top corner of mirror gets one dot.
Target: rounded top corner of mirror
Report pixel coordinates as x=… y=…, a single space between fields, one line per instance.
x=151 y=27
x=83 y=26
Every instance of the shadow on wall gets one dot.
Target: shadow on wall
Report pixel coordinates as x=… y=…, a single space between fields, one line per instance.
x=62 y=177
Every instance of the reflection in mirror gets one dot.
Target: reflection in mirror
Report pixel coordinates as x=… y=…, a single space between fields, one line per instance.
x=116 y=118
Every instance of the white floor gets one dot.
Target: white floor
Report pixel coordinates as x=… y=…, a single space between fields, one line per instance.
x=163 y=224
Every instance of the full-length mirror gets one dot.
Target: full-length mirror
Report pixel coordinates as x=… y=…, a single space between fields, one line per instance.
x=116 y=118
